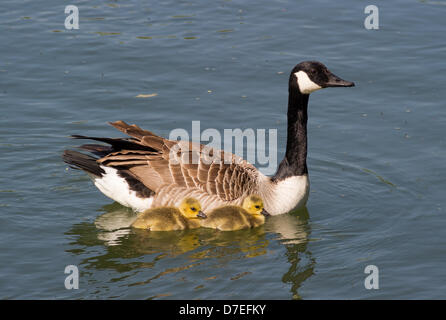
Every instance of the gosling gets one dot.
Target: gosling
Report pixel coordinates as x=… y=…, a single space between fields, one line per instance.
x=228 y=218
x=186 y=216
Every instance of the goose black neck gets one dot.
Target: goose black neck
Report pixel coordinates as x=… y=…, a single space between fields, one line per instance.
x=295 y=161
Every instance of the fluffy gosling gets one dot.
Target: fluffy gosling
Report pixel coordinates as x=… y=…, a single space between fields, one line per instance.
x=186 y=216
x=228 y=218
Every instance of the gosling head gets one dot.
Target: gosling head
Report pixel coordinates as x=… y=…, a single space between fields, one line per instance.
x=191 y=209
x=309 y=76
x=254 y=205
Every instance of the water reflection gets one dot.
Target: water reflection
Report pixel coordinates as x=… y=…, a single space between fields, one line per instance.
x=114 y=223
x=124 y=249
x=293 y=231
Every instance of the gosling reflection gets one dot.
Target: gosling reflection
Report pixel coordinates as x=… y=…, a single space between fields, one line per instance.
x=129 y=249
x=113 y=230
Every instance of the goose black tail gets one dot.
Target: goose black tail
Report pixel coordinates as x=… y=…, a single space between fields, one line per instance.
x=77 y=160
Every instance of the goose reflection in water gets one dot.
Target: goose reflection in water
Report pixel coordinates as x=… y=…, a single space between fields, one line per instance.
x=132 y=250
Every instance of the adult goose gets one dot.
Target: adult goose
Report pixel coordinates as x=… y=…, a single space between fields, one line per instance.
x=146 y=170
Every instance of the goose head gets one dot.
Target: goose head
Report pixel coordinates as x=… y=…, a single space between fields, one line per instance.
x=309 y=76
x=254 y=205
x=190 y=208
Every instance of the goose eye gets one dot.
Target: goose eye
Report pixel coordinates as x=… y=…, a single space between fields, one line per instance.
x=257 y=207
x=193 y=209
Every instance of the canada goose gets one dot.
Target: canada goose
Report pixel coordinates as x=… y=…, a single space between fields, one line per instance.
x=147 y=170
x=228 y=218
x=186 y=216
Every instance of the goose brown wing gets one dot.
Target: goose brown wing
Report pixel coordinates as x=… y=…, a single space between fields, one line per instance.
x=182 y=164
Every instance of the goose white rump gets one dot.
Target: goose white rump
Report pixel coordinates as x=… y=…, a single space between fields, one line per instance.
x=118 y=189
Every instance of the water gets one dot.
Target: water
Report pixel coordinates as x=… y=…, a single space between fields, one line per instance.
x=376 y=151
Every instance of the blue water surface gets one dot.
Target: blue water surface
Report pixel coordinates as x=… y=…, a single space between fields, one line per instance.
x=376 y=152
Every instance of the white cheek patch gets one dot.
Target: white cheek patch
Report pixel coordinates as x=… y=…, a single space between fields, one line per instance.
x=306 y=86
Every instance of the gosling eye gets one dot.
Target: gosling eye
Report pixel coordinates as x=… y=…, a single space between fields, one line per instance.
x=257 y=207
x=193 y=209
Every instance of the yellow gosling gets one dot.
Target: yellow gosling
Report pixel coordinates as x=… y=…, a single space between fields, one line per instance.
x=186 y=216
x=228 y=218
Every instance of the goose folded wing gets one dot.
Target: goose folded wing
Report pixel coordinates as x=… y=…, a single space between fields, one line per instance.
x=183 y=164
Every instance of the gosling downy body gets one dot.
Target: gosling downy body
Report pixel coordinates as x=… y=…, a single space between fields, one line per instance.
x=186 y=216
x=230 y=218
x=146 y=170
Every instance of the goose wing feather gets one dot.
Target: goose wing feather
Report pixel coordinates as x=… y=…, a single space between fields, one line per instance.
x=183 y=167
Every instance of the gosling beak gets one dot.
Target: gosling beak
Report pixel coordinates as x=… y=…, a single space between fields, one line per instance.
x=265 y=213
x=201 y=215
x=335 y=81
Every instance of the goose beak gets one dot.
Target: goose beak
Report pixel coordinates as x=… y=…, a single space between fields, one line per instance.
x=201 y=215
x=265 y=213
x=335 y=81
